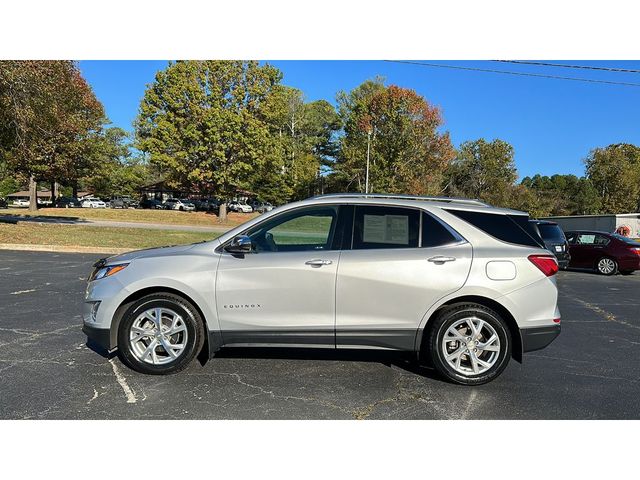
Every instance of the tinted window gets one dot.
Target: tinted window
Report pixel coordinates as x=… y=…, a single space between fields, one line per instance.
x=591 y=239
x=508 y=228
x=628 y=240
x=306 y=229
x=385 y=227
x=551 y=233
x=434 y=233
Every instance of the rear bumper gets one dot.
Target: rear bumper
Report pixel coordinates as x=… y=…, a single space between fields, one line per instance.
x=537 y=338
x=100 y=336
x=629 y=263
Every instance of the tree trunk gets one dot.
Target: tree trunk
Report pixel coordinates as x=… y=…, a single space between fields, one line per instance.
x=33 y=194
x=54 y=189
x=75 y=189
x=222 y=213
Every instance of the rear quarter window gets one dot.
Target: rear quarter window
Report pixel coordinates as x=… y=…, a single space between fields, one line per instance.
x=514 y=229
x=551 y=233
x=435 y=234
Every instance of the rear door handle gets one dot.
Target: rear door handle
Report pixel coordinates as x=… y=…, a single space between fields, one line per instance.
x=439 y=259
x=318 y=262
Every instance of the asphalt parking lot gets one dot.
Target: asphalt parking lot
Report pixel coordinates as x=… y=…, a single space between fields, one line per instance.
x=47 y=372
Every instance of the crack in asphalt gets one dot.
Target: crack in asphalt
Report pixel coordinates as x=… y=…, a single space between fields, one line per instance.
x=401 y=393
x=272 y=394
x=38 y=335
x=600 y=311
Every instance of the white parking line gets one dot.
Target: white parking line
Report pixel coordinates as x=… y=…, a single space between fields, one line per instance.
x=131 y=396
x=19 y=292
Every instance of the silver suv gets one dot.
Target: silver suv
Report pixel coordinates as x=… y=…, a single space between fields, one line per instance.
x=463 y=285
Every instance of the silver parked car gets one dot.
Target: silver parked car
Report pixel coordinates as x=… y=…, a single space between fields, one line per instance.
x=463 y=285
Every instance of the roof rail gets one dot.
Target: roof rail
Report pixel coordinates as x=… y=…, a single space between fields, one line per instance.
x=465 y=201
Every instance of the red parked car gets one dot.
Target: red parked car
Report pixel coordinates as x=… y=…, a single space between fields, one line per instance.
x=607 y=253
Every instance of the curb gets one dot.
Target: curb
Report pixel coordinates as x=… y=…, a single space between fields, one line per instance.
x=62 y=248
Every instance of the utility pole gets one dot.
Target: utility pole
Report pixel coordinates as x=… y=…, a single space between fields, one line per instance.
x=366 y=182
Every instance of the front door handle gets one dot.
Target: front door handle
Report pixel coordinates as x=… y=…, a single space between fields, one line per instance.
x=318 y=262
x=439 y=259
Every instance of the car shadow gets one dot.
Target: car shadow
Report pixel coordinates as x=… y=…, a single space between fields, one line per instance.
x=591 y=271
x=103 y=352
x=57 y=219
x=403 y=360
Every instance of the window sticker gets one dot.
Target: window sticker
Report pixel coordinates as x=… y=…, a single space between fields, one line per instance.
x=586 y=239
x=386 y=229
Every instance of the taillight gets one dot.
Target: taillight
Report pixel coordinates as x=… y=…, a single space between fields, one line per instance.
x=635 y=250
x=545 y=263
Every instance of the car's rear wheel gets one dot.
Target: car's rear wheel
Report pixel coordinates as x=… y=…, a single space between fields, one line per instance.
x=469 y=344
x=607 y=266
x=160 y=334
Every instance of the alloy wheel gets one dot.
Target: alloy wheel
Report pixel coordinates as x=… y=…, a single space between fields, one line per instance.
x=471 y=346
x=158 y=336
x=606 y=266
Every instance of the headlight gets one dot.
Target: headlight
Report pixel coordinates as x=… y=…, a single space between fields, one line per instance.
x=102 y=272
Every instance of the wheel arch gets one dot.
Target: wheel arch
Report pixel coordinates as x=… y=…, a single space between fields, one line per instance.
x=514 y=330
x=211 y=343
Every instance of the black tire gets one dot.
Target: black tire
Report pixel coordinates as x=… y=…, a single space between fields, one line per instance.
x=194 y=326
x=445 y=319
x=600 y=266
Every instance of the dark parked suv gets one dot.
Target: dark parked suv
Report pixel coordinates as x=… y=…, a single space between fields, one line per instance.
x=607 y=253
x=554 y=240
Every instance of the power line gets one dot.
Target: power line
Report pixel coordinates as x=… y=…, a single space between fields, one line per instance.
x=562 y=65
x=521 y=74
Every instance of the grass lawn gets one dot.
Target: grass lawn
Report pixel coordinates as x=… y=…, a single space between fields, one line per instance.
x=169 y=217
x=85 y=236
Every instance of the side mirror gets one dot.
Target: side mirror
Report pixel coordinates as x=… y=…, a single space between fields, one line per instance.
x=240 y=245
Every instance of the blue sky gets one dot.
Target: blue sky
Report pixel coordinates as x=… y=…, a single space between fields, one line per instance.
x=552 y=124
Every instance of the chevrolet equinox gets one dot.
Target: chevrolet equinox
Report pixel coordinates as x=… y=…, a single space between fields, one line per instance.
x=462 y=285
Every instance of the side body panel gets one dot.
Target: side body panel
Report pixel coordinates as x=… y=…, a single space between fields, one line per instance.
x=277 y=298
x=381 y=295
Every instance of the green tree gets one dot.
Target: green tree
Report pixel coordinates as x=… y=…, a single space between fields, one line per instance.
x=205 y=124
x=306 y=132
x=564 y=194
x=117 y=172
x=8 y=183
x=483 y=170
x=614 y=172
x=46 y=111
x=408 y=154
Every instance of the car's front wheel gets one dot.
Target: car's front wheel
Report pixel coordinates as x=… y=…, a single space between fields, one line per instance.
x=160 y=334
x=607 y=266
x=469 y=344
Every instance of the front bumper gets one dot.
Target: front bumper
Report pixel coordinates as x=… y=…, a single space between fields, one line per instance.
x=100 y=336
x=537 y=338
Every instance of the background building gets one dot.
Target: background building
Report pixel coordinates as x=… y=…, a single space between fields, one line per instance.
x=603 y=223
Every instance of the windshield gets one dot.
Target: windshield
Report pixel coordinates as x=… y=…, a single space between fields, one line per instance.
x=551 y=233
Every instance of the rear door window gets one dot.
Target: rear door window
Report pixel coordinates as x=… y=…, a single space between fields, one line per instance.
x=508 y=228
x=385 y=227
